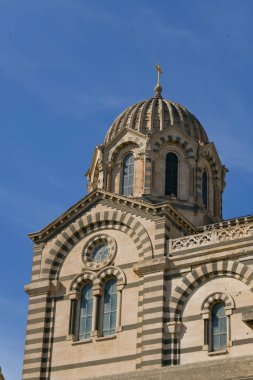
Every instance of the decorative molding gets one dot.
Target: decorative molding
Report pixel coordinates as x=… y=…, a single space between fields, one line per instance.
x=97 y=279
x=215 y=236
x=199 y=276
x=77 y=282
x=91 y=244
x=121 y=221
x=215 y=297
x=42 y=287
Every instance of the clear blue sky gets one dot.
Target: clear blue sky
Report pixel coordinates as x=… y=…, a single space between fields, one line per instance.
x=67 y=69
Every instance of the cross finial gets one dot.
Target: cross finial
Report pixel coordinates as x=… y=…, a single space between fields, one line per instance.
x=159 y=72
x=158 y=87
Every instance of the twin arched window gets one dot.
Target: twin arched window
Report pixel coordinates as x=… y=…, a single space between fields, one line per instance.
x=128 y=175
x=108 y=307
x=171 y=174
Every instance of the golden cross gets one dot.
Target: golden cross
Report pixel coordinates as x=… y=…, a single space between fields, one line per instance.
x=159 y=71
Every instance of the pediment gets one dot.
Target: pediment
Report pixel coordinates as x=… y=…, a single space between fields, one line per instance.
x=134 y=206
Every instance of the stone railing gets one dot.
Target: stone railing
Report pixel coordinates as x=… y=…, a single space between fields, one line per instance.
x=211 y=237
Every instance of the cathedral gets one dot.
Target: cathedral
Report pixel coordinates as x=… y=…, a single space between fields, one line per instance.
x=142 y=278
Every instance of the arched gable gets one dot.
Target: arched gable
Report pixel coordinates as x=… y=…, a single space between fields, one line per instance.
x=134 y=142
x=123 y=148
x=120 y=221
x=199 y=276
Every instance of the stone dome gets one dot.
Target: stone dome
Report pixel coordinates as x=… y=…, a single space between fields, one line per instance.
x=155 y=115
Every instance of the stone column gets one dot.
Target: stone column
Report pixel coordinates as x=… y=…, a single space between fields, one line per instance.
x=162 y=230
x=97 y=293
x=119 y=307
x=138 y=175
x=147 y=174
x=117 y=184
x=172 y=352
x=37 y=254
x=109 y=177
x=39 y=329
x=192 y=182
x=150 y=338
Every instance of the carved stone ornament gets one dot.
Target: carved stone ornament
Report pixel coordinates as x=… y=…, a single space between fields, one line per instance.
x=99 y=251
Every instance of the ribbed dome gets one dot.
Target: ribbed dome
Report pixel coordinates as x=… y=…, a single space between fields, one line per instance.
x=155 y=115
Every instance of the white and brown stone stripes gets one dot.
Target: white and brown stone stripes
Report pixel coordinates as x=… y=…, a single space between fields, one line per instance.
x=93 y=222
x=98 y=278
x=162 y=230
x=38 y=337
x=198 y=276
x=166 y=140
x=147 y=175
x=151 y=336
x=36 y=264
x=217 y=296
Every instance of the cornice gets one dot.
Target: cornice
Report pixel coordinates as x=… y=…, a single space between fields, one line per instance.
x=227 y=223
x=123 y=132
x=135 y=204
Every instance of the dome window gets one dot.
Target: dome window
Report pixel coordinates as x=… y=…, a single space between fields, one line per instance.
x=128 y=175
x=171 y=182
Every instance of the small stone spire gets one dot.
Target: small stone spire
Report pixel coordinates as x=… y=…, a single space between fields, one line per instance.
x=158 y=87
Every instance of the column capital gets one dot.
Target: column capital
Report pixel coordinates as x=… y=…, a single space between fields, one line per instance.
x=174 y=327
x=41 y=287
x=150 y=266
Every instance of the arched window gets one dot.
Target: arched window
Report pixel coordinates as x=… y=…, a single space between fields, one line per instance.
x=218 y=327
x=204 y=188
x=86 y=306
x=110 y=307
x=128 y=175
x=171 y=174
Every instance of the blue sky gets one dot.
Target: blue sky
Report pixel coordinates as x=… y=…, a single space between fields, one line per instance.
x=67 y=69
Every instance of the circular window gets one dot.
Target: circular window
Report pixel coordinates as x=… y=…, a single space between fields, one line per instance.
x=98 y=252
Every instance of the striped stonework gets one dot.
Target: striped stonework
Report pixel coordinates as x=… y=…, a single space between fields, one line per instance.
x=100 y=239
x=147 y=175
x=98 y=278
x=126 y=145
x=137 y=141
x=81 y=278
x=218 y=296
x=139 y=325
x=150 y=341
x=166 y=140
x=213 y=164
x=151 y=312
x=198 y=276
x=38 y=337
x=36 y=265
x=109 y=219
x=162 y=230
x=188 y=284
x=112 y=272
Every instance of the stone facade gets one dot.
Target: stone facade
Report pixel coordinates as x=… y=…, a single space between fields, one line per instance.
x=172 y=259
